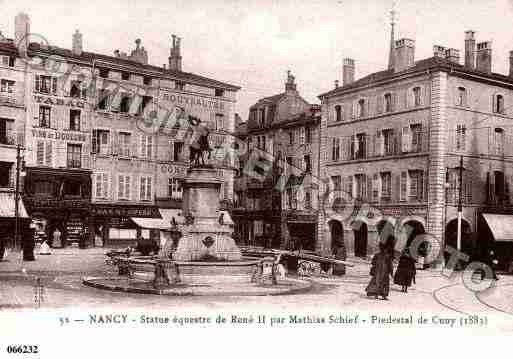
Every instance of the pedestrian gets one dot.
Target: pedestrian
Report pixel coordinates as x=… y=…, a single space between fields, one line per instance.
x=405 y=272
x=491 y=261
x=381 y=271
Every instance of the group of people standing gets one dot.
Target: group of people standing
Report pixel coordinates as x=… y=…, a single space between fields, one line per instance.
x=382 y=269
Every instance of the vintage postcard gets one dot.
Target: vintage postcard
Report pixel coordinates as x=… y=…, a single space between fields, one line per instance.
x=197 y=165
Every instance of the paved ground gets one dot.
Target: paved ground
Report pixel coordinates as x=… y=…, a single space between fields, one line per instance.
x=62 y=271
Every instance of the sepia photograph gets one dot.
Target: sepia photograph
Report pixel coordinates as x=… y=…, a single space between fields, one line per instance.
x=197 y=165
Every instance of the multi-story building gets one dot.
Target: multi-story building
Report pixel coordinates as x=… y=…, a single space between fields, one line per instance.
x=279 y=210
x=103 y=142
x=391 y=144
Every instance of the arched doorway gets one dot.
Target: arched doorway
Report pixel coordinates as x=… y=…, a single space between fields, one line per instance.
x=360 y=231
x=386 y=234
x=413 y=229
x=451 y=237
x=337 y=235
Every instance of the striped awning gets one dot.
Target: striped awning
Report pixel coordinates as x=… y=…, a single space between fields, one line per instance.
x=7 y=206
x=501 y=226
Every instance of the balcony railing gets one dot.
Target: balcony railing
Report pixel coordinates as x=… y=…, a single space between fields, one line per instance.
x=8 y=138
x=373 y=146
x=8 y=100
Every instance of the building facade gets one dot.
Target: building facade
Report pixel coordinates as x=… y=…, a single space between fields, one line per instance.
x=278 y=208
x=105 y=137
x=392 y=143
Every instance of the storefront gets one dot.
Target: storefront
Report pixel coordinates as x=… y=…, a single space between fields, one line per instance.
x=60 y=200
x=8 y=219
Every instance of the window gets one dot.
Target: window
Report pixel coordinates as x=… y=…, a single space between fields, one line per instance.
x=403 y=186
x=103 y=99
x=6 y=131
x=124 y=187
x=44 y=188
x=361 y=108
x=219 y=122
x=308 y=134
x=386 y=185
x=147 y=80
x=261 y=117
x=177 y=151
x=361 y=183
x=77 y=90
x=498 y=141
x=175 y=188
x=44 y=153
x=74 y=155
x=337 y=183
x=72 y=188
x=499 y=186
x=100 y=142
x=46 y=84
x=44 y=116
x=124 y=105
x=125 y=76
x=460 y=137
x=101 y=185
x=388 y=102
x=291 y=137
x=338 y=113
x=7 y=60
x=308 y=163
x=179 y=85
x=104 y=73
x=359 y=146
x=5 y=174
x=146 y=146
x=146 y=100
x=461 y=99
x=219 y=92
x=124 y=144
x=302 y=135
x=7 y=87
x=145 y=188
x=416 y=97
x=416 y=184
x=74 y=120
x=416 y=138
x=498 y=104
x=335 y=150
x=388 y=142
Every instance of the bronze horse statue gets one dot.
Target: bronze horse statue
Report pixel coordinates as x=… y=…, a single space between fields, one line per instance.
x=198 y=149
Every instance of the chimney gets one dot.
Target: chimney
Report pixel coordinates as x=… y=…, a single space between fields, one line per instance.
x=453 y=55
x=511 y=63
x=77 y=43
x=116 y=53
x=139 y=54
x=175 y=57
x=470 y=49
x=404 y=54
x=484 y=57
x=348 y=68
x=21 y=32
x=290 y=84
x=336 y=84
x=439 y=51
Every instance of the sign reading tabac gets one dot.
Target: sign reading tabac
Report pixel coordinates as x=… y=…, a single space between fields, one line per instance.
x=192 y=101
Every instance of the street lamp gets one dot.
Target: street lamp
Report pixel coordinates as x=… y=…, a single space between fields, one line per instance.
x=460 y=169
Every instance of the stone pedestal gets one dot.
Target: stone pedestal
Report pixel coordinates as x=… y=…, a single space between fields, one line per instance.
x=204 y=236
x=166 y=274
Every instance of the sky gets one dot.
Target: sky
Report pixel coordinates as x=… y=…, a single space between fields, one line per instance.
x=253 y=43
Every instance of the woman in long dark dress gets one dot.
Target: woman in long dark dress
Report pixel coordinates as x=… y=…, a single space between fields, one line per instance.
x=405 y=272
x=381 y=271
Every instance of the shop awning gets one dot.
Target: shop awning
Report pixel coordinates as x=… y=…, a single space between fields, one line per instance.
x=501 y=226
x=226 y=218
x=168 y=214
x=7 y=206
x=151 y=223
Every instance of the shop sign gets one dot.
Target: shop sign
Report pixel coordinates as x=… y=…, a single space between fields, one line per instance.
x=59 y=135
x=119 y=211
x=42 y=203
x=56 y=101
x=181 y=100
x=173 y=169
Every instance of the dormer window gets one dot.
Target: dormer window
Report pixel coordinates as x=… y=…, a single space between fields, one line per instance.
x=104 y=73
x=416 y=97
x=219 y=92
x=361 y=108
x=461 y=99
x=147 y=80
x=498 y=105
x=179 y=85
x=388 y=102
x=125 y=76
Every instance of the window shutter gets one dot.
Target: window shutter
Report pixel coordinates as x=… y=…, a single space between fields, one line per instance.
x=37 y=83
x=97 y=185
x=149 y=149
x=148 y=190
x=143 y=146
x=369 y=188
x=115 y=143
x=121 y=186
x=494 y=103
x=356 y=145
x=40 y=155
x=394 y=101
x=48 y=153
x=94 y=142
x=375 y=188
x=54 y=85
x=396 y=188
x=406 y=139
x=404 y=186
x=142 y=192
x=128 y=192
x=350 y=186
